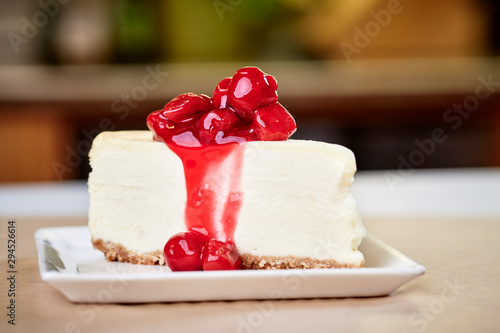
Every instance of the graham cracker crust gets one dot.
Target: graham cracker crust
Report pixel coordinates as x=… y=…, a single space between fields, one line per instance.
x=117 y=252
x=289 y=262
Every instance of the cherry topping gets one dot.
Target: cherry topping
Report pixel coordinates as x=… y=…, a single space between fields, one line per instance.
x=159 y=125
x=213 y=122
x=183 y=134
x=243 y=108
x=184 y=106
x=273 y=123
x=217 y=255
x=219 y=100
x=183 y=251
x=249 y=89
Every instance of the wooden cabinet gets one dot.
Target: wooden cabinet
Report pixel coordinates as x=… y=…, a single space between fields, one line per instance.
x=49 y=115
x=32 y=142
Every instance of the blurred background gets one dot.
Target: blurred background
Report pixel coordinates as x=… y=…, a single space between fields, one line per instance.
x=404 y=84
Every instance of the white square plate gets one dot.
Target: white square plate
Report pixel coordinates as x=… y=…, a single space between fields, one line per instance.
x=70 y=264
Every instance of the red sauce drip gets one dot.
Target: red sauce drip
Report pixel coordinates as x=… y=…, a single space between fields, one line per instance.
x=208 y=135
x=213 y=193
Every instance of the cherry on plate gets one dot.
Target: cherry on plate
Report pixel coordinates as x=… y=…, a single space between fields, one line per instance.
x=183 y=250
x=219 y=256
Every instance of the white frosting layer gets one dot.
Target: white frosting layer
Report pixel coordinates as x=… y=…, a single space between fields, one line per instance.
x=296 y=197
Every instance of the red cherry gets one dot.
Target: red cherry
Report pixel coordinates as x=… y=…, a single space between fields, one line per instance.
x=217 y=255
x=165 y=130
x=273 y=123
x=159 y=125
x=249 y=89
x=219 y=100
x=184 y=106
x=246 y=133
x=183 y=250
x=190 y=120
x=215 y=121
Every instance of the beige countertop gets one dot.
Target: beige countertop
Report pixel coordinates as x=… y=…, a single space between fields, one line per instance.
x=458 y=293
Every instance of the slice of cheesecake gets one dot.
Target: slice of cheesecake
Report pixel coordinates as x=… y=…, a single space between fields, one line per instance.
x=296 y=208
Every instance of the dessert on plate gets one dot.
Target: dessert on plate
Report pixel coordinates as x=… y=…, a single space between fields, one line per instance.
x=216 y=185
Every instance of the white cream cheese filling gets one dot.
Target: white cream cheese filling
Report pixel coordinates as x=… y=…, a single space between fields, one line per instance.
x=296 y=197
